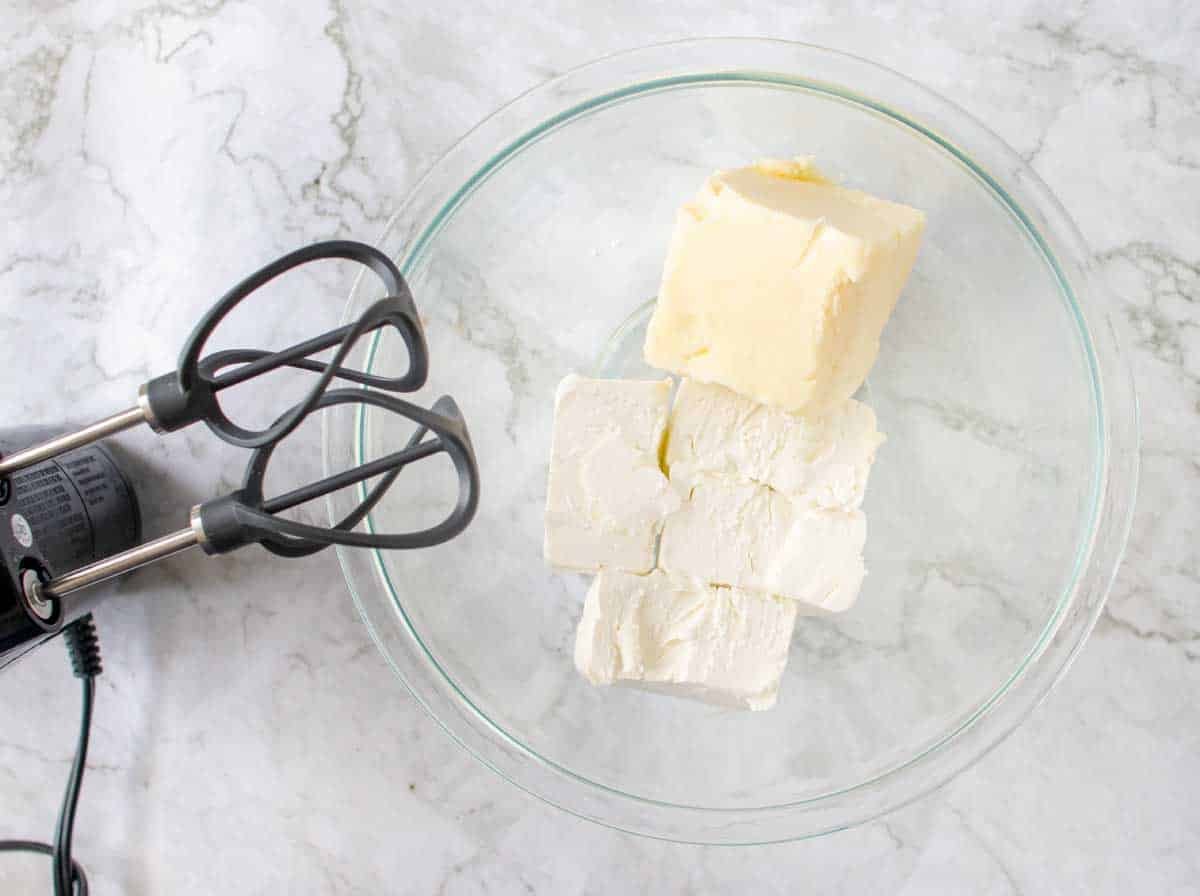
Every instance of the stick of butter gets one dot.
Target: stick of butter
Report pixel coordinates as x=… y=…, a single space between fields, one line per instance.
x=607 y=496
x=778 y=284
x=720 y=645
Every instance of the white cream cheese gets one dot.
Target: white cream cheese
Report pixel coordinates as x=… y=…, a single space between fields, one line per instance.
x=820 y=461
x=606 y=495
x=720 y=645
x=745 y=535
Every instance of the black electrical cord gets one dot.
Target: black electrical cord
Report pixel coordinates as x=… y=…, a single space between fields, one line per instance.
x=83 y=645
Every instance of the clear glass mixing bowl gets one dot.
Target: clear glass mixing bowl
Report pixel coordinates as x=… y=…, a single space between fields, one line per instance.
x=998 y=507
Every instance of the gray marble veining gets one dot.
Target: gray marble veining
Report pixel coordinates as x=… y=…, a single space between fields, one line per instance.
x=152 y=152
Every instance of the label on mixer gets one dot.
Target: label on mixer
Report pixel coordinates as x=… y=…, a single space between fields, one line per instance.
x=67 y=512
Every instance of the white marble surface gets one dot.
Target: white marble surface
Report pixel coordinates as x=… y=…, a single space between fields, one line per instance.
x=249 y=738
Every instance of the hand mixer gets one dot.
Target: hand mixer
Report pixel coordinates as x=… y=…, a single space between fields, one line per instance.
x=69 y=517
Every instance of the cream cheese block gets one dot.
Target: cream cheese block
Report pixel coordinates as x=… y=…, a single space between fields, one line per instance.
x=720 y=645
x=778 y=284
x=606 y=495
x=745 y=535
x=821 y=461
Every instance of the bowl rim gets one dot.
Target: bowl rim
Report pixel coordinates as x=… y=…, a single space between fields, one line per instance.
x=612 y=79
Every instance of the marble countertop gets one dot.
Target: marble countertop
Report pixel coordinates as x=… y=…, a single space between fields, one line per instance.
x=151 y=153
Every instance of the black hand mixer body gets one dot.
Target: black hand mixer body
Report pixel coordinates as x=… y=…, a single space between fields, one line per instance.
x=57 y=516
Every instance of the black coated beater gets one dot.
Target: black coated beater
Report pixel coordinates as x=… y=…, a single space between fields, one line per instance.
x=69 y=519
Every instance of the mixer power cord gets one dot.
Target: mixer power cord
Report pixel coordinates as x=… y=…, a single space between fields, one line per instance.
x=83 y=645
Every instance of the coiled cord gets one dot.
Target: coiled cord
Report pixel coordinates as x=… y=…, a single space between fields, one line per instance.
x=83 y=647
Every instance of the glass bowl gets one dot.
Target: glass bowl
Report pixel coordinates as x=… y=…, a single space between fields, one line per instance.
x=997 y=509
